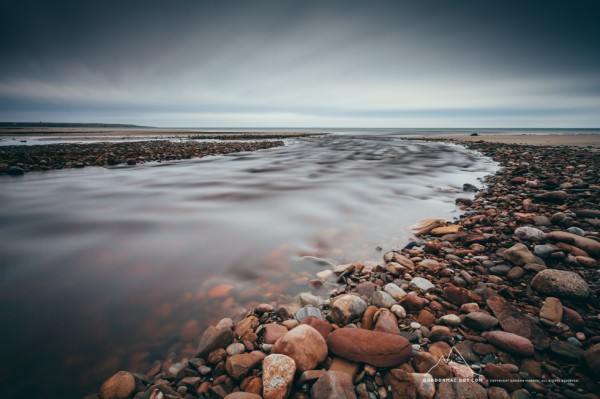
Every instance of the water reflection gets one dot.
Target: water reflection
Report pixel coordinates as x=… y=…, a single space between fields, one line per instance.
x=107 y=269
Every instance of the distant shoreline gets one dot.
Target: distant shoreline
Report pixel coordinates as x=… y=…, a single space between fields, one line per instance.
x=573 y=140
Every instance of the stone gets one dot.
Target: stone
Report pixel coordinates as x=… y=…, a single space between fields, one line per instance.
x=480 y=321
x=426 y=225
x=386 y=322
x=273 y=332
x=572 y=319
x=561 y=283
x=413 y=302
x=461 y=371
x=398 y=311
x=245 y=325
x=214 y=338
x=346 y=308
x=239 y=365
x=394 y=291
x=590 y=246
x=236 y=349
x=277 y=376
x=497 y=393
x=532 y=367
x=382 y=299
x=509 y=342
x=566 y=351
x=425 y=385
x=513 y=321
x=498 y=376
x=552 y=310
x=425 y=362
x=426 y=318
x=365 y=346
x=449 y=229
x=304 y=345
x=243 y=395
x=591 y=358
x=552 y=196
x=15 y=171
x=306 y=298
x=515 y=273
x=445 y=390
x=469 y=307
x=333 y=385
x=366 y=289
x=402 y=385
x=450 y=320
x=345 y=366
x=120 y=386
x=456 y=295
x=368 y=317
x=520 y=255
x=419 y=283
x=322 y=326
x=543 y=251
x=308 y=311
x=530 y=233
x=586 y=261
x=469 y=390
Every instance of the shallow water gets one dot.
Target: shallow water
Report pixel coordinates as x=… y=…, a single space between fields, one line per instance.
x=102 y=269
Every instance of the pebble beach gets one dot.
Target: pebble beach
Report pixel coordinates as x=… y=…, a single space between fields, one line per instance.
x=501 y=302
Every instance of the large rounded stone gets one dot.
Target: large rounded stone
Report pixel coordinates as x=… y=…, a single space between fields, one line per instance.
x=402 y=384
x=215 y=338
x=520 y=255
x=509 y=342
x=305 y=345
x=333 y=385
x=238 y=366
x=382 y=299
x=591 y=357
x=480 y=321
x=278 y=376
x=365 y=346
x=590 y=246
x=560 y=283
x=346 y=308
x=119 y=386
x=530 y=233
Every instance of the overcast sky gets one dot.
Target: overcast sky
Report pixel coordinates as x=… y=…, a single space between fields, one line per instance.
x=302 y=63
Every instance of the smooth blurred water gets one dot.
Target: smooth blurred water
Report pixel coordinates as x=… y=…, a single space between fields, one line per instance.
x=101 y=267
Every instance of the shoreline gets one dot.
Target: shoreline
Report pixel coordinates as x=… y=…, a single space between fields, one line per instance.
x=477 y=288
x=570 y=140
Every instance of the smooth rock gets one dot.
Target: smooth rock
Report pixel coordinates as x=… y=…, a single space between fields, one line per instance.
x=552 y=196
x=498 y=376
x=552 y=310
x=382 y=299
x=304 y=345
x=243 y=395
x=560 y=283
x=480 y=321
x=365 y=346
x=322 y=326
x=15 y=171
x=386 y=322
x=451 y=320
x=590 y=246
x=425 y=362
x=510 y=342
x=120 y=386
x=366 y=289
x=425 y=385
x=394 y=291
x=367 y=320
x=426 y=225
x=312 y=262
x=273 y=332
x=402 y=385
x=236 y=349
x=456 y=295
x=591 y=358
x=345 y=366
x=520 y=255
x=308 y=311
x=530 y=233
x=333 y=385
x=421 y=284
x=239 y=365
x=513 y=321
x=544 y=250
x=566 y=351
x=277 y=376
x=214 y=338
x=346 y=308
x=413 y=302
x=449 y=229
x=398 y=311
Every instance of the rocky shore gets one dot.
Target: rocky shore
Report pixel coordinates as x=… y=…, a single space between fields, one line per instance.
x=19 y=159
x=501 y=303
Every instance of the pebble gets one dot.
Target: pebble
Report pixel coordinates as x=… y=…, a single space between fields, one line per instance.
x=277 y=376
x=333 y=385
x=561 y=283
x=450 y=320
x=381 y=299
x=419 y=283
x=347 y=308
x=509 y=342
x=120 y=386
x=480 y=321
x=304 y=345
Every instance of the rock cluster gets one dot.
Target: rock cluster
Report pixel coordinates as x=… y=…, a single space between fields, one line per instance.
x=497 y=303
x=16 y=160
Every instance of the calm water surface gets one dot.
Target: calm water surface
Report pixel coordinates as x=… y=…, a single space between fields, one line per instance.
x=106 y=269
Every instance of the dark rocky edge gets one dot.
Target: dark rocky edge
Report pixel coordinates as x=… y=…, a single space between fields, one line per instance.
x=251 y=136
x=502 y=303
x=16 y=160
